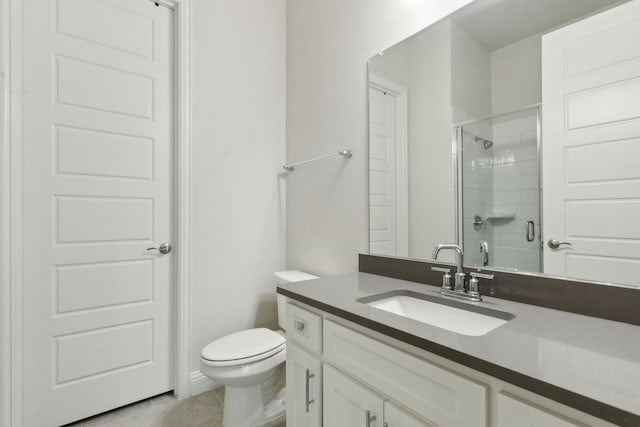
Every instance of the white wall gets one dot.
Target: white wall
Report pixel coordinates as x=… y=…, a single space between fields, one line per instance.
x=328 y=45
x=431 y=215
x=470 y=77
x=238 y=149
x=422 y=65
x=5 y=390
x=516 y=74
x=393 y=64
x=471 y=100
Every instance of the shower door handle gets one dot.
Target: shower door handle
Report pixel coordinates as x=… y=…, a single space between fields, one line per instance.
x=530 y=231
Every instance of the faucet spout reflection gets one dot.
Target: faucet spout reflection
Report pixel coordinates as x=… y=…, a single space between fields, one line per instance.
x=460 y=276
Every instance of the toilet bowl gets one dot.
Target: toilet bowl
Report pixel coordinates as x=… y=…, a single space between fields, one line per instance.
x=244 y=361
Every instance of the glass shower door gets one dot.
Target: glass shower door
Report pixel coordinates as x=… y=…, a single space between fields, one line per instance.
x=501 y=191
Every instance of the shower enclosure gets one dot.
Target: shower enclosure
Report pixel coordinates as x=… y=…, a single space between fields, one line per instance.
x=499 y=174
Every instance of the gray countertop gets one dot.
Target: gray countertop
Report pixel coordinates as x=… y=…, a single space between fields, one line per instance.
x=577 y=360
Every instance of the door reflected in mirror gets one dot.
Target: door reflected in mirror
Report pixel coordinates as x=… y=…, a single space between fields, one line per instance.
x=509 y=124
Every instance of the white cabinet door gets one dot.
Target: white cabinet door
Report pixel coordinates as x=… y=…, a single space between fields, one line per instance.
x=591 y=134
x=348 y=403
x=434 y=393
x=515 y=413
x=396 y=417
x=304 y=388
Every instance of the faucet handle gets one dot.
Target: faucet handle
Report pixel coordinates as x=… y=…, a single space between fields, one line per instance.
x=481 y=275
x=446 y=279
x=473 y=283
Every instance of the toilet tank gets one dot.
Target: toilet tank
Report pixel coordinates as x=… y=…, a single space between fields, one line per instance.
x=284 y=277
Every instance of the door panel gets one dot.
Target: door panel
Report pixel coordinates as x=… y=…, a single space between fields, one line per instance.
x=396 y=417
x=591 y=143
x=346 y=402
x=382 y=173
x=103 y=154
x=97 y=86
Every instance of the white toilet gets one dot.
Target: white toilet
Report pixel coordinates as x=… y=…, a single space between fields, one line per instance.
x=244 y=361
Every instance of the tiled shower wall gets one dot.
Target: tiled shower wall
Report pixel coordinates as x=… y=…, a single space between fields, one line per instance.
x=477 y=190
x=515 y=190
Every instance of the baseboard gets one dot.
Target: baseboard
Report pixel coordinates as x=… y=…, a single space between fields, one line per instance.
x=198 y=383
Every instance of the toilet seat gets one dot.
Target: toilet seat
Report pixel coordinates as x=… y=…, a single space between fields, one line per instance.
x=243 y=347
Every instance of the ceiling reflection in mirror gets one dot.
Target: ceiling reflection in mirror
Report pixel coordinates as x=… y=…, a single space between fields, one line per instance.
x=457 y=126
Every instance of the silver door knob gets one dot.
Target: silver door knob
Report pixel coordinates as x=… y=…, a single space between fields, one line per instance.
x=164 y=248
x=555 y=244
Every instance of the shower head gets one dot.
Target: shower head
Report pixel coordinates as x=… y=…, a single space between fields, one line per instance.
x=485 y=142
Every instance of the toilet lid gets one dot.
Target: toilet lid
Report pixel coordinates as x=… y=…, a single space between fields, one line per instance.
x=254 y=344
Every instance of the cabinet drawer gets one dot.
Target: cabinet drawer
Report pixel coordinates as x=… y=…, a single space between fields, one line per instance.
x=304 y=327
x=441 y=397
x=516 y=413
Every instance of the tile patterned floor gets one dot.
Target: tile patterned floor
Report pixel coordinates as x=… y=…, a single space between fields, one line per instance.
x=203 y=410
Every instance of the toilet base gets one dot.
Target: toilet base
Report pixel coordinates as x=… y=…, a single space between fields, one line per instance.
x=275 y=410
x=243 y=407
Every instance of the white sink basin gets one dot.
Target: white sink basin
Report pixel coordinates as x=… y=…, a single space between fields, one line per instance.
x=454 y=316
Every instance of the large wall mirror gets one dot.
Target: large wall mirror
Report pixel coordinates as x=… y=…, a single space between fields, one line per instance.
x=512 y=127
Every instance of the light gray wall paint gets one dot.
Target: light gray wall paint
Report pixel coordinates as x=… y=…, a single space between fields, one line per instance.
x=238 y=149
x=5 y=307
x=422 y=65
x=470 y=75
x=393 y=64
x=431 y=215
x=516 y=73
x=328 y=45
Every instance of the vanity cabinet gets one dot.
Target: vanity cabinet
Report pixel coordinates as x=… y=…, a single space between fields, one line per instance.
x=304 y=391
x=379 y=377
x=347 y=403
x=433 y=393
x=304 y=367
x=396 y=417
x=513 y=412
x=338 y=375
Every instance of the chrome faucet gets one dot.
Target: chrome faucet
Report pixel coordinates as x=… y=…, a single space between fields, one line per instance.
x=459 y=277
x=459 y=291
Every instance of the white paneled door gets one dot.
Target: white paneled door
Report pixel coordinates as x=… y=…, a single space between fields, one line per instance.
x=382 y=172
x=591 y=147
x=98 y=126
